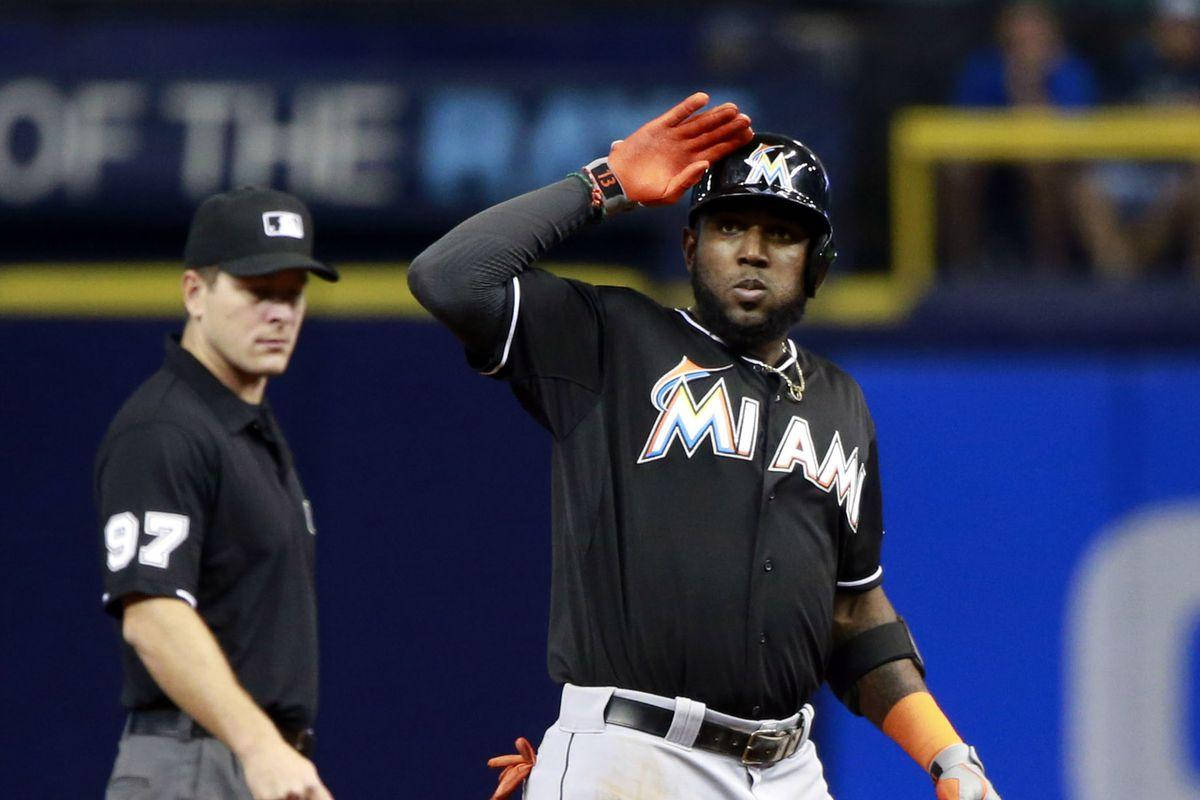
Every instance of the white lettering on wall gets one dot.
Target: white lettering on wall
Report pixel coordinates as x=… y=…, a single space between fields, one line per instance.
x=1133 y=606
x=338 y=146
x=74 y=135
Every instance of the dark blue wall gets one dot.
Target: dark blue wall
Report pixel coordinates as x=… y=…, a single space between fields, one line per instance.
x=430 y=488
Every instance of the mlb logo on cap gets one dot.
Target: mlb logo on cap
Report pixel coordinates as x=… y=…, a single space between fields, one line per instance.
x=283 y=223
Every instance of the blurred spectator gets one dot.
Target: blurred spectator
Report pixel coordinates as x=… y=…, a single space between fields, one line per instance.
x=1144 y=217
x=1029 y=67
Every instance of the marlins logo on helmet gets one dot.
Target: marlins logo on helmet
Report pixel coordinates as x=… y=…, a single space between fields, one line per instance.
x=765 y=169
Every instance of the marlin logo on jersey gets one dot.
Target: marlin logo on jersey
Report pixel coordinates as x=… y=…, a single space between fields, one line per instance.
x=683 y=418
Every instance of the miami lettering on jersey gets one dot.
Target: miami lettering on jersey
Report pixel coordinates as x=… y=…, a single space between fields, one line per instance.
x=684 y=419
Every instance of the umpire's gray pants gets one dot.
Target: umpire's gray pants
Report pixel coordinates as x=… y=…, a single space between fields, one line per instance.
x=177 y=767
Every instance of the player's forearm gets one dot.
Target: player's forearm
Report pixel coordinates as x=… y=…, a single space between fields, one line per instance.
x=185 y=660
x=462 y=278
x=893 y=695
x=881 y=688
x=884 y=686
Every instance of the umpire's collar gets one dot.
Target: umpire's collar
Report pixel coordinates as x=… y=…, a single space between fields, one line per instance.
x=233 y=412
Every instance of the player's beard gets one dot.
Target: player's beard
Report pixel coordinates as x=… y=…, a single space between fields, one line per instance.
x=743 y=338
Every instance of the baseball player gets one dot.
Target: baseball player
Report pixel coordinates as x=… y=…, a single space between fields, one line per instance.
x=716 y=495
x=207 y=536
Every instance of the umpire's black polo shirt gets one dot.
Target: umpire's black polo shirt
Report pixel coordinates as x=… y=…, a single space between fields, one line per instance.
x=198 y=499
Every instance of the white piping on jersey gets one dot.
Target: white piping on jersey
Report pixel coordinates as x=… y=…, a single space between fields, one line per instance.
x=878 y=571
x=512 y=328
x=791 y=346
x=182 y=593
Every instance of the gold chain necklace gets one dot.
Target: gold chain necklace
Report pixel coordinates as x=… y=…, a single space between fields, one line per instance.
x=794 y=390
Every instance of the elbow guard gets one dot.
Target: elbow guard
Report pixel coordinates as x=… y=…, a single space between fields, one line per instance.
x=872 y=648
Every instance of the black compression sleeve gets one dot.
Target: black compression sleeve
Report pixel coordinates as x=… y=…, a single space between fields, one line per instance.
x=463 y=277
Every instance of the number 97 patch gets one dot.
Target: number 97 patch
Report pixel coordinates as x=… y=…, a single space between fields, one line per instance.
x=121 y=536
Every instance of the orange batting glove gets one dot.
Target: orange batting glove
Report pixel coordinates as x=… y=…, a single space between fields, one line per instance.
x=514 y=768
x=664 y=158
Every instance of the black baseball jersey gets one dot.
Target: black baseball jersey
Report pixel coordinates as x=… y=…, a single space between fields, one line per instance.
x=701 y=518
x=198 y=499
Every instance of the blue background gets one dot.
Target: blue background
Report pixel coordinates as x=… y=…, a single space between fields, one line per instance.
x=431 y=493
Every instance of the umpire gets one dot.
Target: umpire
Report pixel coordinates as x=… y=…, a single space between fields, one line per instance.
x=207 y=534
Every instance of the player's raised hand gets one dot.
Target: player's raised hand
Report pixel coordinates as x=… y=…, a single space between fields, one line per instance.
x=664 y=158
x=958 y=775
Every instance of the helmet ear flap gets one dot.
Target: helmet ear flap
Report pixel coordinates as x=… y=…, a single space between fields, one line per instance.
x=817 y=266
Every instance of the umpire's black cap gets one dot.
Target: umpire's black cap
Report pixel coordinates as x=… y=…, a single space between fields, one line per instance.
x=253 y=231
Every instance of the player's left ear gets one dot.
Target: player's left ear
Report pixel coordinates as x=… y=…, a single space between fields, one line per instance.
x=690 y=240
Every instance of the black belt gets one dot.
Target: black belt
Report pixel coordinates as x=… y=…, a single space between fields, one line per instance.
x=753 y=749
x=172 y=722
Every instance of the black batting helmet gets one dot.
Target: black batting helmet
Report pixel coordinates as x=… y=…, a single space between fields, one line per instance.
x=775 y=166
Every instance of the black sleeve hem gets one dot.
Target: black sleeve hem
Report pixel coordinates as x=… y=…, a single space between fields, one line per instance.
x=114 y=607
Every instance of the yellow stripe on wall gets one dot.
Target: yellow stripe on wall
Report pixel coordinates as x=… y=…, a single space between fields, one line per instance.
x=366 y=290
x=923 y=138
x=91 y=290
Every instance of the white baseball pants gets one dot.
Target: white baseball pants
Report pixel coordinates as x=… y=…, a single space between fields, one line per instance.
x=583 y=758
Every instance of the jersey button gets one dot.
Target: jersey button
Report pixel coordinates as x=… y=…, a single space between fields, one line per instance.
x=770 y=497
x=768 y=565
x=762 y=639
x=754 y=712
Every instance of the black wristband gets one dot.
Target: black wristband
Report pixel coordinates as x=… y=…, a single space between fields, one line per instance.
x=608 y=196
